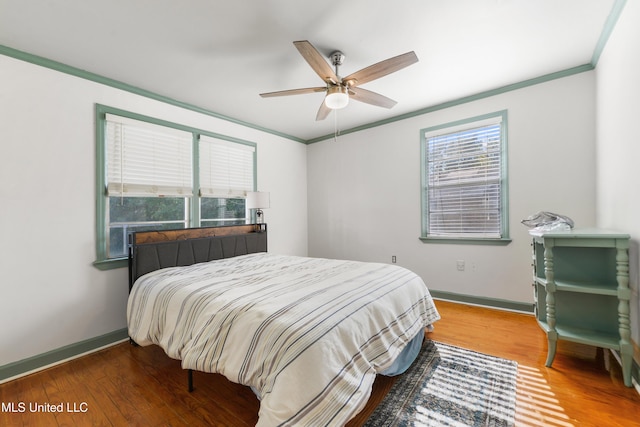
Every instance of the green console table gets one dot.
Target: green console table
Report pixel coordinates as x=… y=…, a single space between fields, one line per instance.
x=581 y=290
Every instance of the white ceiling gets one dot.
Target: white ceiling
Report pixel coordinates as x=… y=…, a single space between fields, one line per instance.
x=219 y=55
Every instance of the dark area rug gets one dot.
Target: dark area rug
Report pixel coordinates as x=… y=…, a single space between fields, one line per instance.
x=450 y=386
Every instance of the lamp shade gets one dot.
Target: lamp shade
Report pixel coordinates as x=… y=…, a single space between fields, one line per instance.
x=258 y=200
x=337 y=97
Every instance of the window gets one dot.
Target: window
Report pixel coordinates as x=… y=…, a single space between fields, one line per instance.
x=158 y=175
x=226 y=174
x=464 y=180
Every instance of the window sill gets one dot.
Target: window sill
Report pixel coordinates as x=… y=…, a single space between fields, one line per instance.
x=467 y=241
x=110 y=264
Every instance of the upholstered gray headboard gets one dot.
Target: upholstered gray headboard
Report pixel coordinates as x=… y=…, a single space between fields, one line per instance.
x=153 y=250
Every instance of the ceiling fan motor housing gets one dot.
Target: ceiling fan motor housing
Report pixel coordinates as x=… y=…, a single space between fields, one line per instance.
x=337 y=58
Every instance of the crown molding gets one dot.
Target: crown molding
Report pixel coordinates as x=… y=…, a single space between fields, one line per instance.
x=83 y=74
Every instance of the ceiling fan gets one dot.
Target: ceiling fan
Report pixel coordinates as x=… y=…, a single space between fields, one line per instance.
x=340 y=89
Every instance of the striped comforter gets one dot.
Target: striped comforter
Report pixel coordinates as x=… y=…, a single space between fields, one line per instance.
x=306 y=334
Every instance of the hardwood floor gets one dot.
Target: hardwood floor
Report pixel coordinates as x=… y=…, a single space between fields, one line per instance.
x=135 y=386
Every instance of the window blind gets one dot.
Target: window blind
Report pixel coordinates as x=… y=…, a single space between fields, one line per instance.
x=464 y=173
x=146 y=159
x=226 y=168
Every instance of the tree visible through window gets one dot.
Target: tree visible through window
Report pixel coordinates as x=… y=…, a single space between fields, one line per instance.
x=464 y=179
x=127 y=214
x=216 y=211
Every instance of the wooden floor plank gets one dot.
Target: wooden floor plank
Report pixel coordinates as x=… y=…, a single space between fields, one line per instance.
x=126 y=385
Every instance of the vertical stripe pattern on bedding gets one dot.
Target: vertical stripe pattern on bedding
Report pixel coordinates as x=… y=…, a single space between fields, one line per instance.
x=307 y=334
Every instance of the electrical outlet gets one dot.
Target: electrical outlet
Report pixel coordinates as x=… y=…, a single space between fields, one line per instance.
x=460 y=265
x=393 y=259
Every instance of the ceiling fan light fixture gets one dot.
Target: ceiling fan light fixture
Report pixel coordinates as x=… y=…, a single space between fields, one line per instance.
x=337 y=97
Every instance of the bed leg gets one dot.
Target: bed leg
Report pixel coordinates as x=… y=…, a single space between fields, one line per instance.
x=190 y=379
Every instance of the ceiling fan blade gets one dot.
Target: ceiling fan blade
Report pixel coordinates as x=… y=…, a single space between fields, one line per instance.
x=372 y=98
x=381 y=69
x=323 y=111
x=294 y=92
x=316 y=61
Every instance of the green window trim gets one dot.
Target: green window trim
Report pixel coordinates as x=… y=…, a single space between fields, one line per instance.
x=466 y=241
x=102 y=261
x=503 y=238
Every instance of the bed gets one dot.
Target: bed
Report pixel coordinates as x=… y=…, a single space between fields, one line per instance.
x=308 y=335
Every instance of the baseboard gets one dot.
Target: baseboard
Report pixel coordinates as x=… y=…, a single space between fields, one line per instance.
x=54 y=357
x=520 y=307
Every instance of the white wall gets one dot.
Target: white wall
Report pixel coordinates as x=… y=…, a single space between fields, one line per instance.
x=50 y=294
x=364 y=188
x=618 y=147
